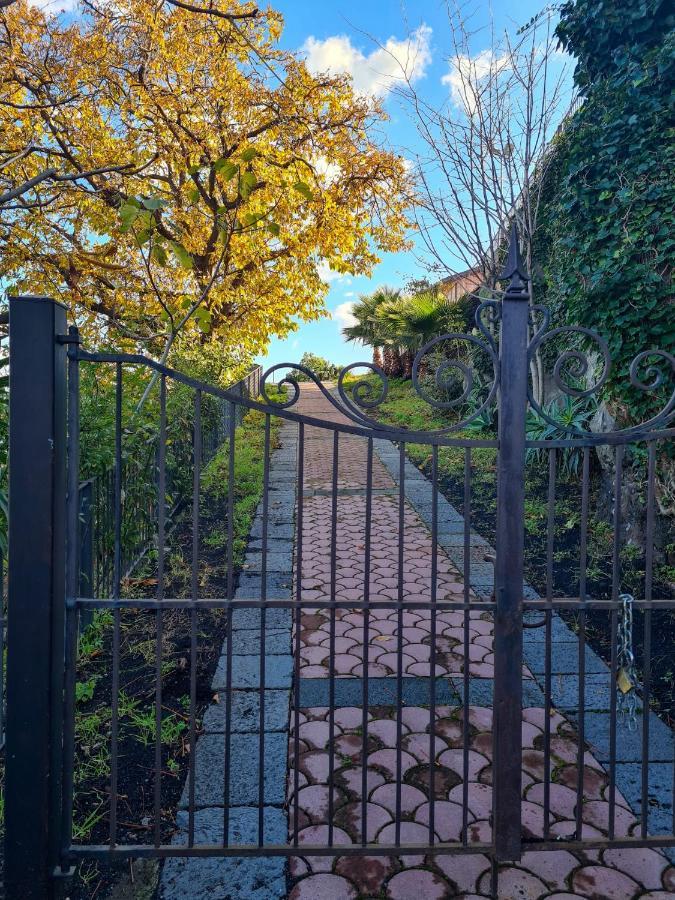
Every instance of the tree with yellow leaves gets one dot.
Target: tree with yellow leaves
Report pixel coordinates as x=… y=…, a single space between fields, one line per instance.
x=198 y=175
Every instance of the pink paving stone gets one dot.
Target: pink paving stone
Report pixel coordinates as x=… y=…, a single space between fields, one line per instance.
x=420 y=652
x=644 y=865
x=563 y=801
x=385 y=730
x=479 y=832
x=533 y=763
x=375 y=670
x=482 y=742
x=480 y=717
x=536 y=715
x=450 y=729
x=344 y=663
x=416 y=635
x=596 y=812
x=564 y=896
x=384 y=626
x=447 y=819
x=669 y=879
x=552 y=866
x=349 y=745
x=419 y=745
x=312 y=638
x=515 y=884
x=351 y=779
x=317 y=835
x=463 y=871
x=368 y=873
x=484 y=640
x=415 y=717
x=314 y=671
x=482 y=670
x=349 y=818
x=411 y=833
x=290 y=785
x=343 y=644
x=315 y=734
x=417 y=883
x=481 y=626
x=600 y=883
x=315 y=765
x=657 y=895
x=529 y=733
x=567 y=827
x=314 y=801
x=387 y=760
x=314 y=655
x=454 y=759
x=477 y=653
x=411 y=798
x=325 y=886
x=423 y=669
x=480 y=798
x=349 y=717
x=532 y=815
x=297 y=867
x=391 y=660
x=316 y=713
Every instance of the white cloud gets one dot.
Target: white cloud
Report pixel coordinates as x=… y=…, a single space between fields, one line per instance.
x=378 y=72
x=344 y=315
x=469 y=75
x=327 y=274
x=327 y=171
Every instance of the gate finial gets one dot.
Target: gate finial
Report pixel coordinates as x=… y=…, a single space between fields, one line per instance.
x=514 y=268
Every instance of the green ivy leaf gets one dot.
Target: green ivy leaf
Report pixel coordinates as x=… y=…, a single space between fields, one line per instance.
x=249 y=154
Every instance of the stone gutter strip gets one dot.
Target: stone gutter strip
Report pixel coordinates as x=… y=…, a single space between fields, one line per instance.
x=254 y=878
x=564 y=662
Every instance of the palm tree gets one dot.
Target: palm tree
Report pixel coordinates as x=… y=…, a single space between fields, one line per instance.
x=368 y=326
x=414 y=321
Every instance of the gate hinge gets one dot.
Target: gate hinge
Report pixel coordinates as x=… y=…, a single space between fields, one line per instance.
x=68 y=339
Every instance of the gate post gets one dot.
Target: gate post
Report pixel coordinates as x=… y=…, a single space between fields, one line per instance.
x=36 y=604
x=508 y=639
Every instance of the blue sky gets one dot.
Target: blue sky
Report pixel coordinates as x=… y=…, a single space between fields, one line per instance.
x=339 y=34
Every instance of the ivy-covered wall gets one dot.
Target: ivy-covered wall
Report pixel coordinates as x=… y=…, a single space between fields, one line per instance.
x=606 y=247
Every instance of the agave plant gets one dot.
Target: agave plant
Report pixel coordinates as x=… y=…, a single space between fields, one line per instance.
x=566 y=413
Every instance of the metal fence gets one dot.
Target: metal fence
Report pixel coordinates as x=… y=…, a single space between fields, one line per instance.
x=139 y=486
x=330 y=497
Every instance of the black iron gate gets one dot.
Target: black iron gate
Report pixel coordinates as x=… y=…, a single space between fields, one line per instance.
x=45 y=604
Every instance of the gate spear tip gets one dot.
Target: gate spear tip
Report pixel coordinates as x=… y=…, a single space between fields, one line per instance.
x=514 y=268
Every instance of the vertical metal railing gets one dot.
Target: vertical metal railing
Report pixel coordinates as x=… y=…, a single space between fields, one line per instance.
x=509 y=564
x=139 y=515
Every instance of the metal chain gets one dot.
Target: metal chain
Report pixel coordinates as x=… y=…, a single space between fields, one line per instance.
x=626 y=673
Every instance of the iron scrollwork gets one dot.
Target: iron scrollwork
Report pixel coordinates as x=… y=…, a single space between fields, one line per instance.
x=575 y=364
x=364 y=395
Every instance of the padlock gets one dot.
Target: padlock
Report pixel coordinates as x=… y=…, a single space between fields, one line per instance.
x=624 y=681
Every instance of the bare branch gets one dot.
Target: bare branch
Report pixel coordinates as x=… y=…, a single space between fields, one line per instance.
x=212 y=11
